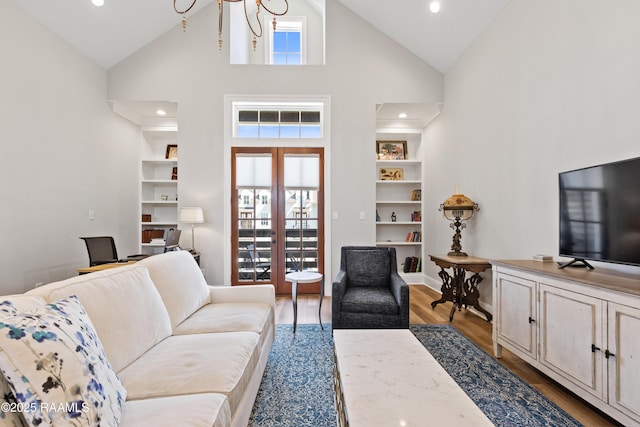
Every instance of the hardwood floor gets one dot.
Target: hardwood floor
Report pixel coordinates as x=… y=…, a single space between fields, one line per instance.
x=473 y=327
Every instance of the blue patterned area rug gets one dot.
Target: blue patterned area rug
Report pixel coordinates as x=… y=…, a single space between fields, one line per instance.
x=297 y=386
x=297 y=389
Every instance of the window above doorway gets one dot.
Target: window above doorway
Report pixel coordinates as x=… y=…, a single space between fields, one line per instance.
x=283 y=121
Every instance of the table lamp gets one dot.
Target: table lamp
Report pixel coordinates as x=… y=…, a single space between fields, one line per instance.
x=458 y=208
x=194 y=216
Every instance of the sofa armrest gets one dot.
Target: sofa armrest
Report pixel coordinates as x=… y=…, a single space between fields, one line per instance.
x=265 y=294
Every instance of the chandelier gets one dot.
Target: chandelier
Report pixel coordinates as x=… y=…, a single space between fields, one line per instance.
x=256 y=32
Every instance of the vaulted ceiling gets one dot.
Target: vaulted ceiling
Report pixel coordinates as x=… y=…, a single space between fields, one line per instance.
x=110 y=33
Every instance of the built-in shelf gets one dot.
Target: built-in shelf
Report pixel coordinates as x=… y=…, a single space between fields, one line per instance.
x=158 y=186
x=402 y=199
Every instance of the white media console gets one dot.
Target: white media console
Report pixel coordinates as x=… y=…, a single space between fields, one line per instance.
x=580 y=327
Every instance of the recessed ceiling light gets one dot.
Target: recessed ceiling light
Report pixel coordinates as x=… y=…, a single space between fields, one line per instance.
x=98 y=2
x=402 y=115
x=161 y=112
x=434 y=6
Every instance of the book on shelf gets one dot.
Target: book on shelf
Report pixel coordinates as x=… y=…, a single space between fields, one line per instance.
x=540 y=257
x=416 y=195
x=412 y=264
x=413 y=236
x=416 y=216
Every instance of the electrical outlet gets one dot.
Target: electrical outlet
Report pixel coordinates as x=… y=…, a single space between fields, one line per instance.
x=92 y=215
x=362 y=215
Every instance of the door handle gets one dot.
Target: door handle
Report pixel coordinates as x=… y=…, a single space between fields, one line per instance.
x=608 y=354
x=531 y=320
x=594 y=348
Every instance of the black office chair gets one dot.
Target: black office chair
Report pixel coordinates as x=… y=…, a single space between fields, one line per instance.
x=102 y=250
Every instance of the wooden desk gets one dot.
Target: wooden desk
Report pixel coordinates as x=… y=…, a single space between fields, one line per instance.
x=86 y=270
x=101 y=267
x=458 y=288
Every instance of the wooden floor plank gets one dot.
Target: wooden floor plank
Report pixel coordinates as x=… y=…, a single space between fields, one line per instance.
x=476 y=328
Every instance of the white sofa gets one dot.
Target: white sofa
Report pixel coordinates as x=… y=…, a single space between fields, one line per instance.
x=186 y=353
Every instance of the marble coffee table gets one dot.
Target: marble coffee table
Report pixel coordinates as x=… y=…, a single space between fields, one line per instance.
x=385 y=377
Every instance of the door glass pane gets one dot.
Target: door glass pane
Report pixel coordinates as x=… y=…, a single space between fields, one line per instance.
x=301 y=229
x=254 y=234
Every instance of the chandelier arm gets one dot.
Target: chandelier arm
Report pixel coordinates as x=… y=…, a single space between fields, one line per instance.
x=246 y=15
x=286 y=2
x=220 y=13
x=183 y=11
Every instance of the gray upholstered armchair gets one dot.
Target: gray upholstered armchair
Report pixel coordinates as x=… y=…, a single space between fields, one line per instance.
x=368 y=292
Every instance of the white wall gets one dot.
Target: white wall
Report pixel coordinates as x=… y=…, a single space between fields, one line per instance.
x=63 y=153
x=549 y=86
x=364 y=67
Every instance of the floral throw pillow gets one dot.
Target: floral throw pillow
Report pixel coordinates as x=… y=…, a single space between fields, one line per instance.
x=56 y=367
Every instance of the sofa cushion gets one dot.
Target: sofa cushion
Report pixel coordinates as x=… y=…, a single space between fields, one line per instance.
x=124 y=306
x=370 y=267
x=227 y=317
x=193 y=410
x=369 y=300
x=198 y=363
x=180 y=282
x=55 y=364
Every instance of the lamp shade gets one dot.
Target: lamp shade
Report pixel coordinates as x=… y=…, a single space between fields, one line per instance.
x=191 y=215
x=458 y=206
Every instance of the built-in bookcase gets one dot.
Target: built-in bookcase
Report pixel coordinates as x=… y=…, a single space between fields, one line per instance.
x=399 y=209
x=158 y=186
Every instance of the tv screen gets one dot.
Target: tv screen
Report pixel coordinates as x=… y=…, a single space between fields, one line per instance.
x=600 y=212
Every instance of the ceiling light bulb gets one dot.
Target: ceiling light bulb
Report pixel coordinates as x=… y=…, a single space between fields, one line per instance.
x=161 y=112
x=402 y=115
x=97 y=2
x=434 y=6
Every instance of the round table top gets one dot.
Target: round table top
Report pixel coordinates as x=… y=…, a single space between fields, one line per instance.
x=303 y=276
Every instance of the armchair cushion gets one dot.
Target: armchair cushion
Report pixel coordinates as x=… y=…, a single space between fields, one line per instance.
x=368 y=268
x=369 y=300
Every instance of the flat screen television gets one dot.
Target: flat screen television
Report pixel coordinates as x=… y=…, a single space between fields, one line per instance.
x=600 y=213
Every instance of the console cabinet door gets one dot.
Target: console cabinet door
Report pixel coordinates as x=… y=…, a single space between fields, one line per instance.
x=624 y=364
x=515 y=321
x=571 y=343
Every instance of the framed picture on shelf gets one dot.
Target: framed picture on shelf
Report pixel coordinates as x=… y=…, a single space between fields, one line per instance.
x=392 y=150
x=391 y=174
x=174 y=173
x=172 y=152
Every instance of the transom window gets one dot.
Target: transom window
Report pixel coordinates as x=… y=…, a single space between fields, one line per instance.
x=278 y=121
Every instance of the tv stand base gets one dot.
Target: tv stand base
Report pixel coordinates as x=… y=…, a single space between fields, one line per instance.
x=576 y=262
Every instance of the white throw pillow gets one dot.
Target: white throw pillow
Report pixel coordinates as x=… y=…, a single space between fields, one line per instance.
x=56 y=367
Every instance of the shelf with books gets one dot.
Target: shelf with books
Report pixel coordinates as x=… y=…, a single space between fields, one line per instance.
x=399 y=214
